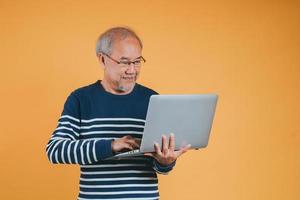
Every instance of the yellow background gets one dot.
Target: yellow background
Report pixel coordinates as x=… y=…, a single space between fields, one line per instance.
x=246 y=51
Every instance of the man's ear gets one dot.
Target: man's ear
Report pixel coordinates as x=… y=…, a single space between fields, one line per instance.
x=101 y=59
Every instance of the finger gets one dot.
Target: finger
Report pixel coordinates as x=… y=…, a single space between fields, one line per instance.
x=186 y=148
x=182 y=150
x=125 y=138
x=133 y=143
x=157 y=149
x=128 y=137
x=164 y=145
x=138 y=141
x=128 y=146
x=172 y=142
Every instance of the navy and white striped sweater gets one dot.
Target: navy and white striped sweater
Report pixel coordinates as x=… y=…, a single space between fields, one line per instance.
x=90 y=120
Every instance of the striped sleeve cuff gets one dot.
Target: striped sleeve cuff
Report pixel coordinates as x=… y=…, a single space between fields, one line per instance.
x=103 y=149
x=163 y=169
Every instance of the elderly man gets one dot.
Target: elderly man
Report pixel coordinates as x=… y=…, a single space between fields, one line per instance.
x=107 y=117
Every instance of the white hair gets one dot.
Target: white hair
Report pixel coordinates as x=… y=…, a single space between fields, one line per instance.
x=106 y=40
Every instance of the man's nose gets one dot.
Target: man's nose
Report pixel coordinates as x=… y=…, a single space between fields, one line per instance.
x=130 y=68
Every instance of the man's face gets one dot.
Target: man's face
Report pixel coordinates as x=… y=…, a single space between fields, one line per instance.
x=122 y=78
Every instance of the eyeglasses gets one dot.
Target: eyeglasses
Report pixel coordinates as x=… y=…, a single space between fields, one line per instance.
x=136 y=63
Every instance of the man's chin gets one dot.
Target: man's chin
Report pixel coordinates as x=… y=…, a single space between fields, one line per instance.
x=126 y=87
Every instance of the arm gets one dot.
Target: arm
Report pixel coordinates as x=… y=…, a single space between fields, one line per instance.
x=65 y=146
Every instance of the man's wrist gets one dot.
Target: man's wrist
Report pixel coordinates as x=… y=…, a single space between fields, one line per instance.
x=162 y=167
x=103 y=149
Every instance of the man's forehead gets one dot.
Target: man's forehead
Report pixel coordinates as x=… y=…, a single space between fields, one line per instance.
x=128 y=48
x=126 y=42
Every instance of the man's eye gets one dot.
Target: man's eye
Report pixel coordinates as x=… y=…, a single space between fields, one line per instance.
x=137 y=62
x=125 y=62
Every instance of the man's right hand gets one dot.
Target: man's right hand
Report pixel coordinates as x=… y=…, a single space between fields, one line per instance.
x=125 y=143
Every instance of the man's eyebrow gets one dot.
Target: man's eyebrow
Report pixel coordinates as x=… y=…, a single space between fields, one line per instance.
x=125 y=58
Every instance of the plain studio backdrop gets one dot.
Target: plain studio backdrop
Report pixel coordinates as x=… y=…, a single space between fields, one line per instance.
x=245 y=51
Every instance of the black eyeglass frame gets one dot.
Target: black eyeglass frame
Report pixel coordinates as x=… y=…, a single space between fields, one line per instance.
x=128 y=63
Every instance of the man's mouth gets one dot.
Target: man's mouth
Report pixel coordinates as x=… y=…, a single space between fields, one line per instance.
x=129 y=78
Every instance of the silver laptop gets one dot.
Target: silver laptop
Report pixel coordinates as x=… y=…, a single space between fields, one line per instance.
x=188 y=117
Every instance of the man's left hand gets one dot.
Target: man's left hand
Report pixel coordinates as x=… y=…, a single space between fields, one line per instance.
x=167 y=154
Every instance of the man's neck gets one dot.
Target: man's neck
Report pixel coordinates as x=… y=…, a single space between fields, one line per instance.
x=110 y=88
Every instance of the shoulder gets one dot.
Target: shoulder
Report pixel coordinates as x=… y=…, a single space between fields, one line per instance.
x=74 y=99
x=145 y=90
x=78 y=94
x=84 y=91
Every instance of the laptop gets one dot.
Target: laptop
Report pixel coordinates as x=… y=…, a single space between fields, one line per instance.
x=188 y=117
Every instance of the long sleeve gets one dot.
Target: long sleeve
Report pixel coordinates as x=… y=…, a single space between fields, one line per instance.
x=65 y=145
x=162 y=169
